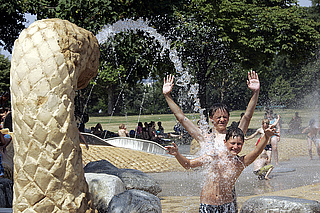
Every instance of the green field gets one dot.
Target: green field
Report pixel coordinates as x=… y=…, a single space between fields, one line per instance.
x=168 y=120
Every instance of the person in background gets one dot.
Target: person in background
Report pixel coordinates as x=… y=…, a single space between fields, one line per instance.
x=145 y=131
x=139 y=130
x=83 y=140
x=312 y=130
x=123 y=132
x=295 y=123
x=5 y=140
x=160 y=130
x=262 y=167
x=260 y=131
x=152 y=131
x=274 y=140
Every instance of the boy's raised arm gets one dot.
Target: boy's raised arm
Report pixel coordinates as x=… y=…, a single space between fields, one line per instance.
x=254 y=85
x=251 y=156
x=185 y=162
x=193 y=130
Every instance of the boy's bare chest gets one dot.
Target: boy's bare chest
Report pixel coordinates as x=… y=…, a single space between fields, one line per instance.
x=224 y=170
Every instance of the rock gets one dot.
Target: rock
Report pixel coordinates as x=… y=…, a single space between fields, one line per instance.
x=100 y=166
x=103 y=187
x=6 y=193
x=279 y=204
x=133 y=179
x=135 y=201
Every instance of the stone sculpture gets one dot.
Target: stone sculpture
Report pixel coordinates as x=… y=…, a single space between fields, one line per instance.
x=51 y=59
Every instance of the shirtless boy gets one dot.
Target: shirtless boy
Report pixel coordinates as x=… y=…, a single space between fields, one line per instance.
x=223 y=167
x=312 y=137
x=218 y=114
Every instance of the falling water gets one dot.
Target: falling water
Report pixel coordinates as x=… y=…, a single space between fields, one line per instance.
x=129 y=25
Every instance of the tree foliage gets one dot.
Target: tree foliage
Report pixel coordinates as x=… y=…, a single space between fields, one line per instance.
x=94 y=14
x=217 y=41
x=257 y=30
x=5 y=74
x=281 y=92
x=11 y=14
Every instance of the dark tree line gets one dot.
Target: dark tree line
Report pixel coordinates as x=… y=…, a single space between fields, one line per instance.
x=217 y=41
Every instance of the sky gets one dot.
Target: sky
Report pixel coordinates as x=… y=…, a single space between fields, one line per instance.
x=31 y=19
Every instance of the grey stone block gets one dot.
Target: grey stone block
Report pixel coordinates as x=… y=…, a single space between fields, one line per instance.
x=135 y=201
x=273 y=204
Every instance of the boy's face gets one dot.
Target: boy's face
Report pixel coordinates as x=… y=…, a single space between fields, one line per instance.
x=220 y=120
x=234 y=145
x=265 y=125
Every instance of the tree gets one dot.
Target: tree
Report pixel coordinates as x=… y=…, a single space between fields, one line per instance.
x=11 y=14
x=281 y=92
x=245 y=33
x=94 y=14
x=5 y=74
x=117 y=60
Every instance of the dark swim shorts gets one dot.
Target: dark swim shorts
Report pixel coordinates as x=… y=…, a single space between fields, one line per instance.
x=224 y=208
x=268 y=147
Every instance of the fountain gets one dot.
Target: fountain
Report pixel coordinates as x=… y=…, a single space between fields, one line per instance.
x=48 y=164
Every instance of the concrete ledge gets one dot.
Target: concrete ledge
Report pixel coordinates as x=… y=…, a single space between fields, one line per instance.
x=126 y=142
x=275 y=204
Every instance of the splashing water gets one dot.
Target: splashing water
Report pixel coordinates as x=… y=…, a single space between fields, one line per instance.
x=184 y=78
x=134 y=25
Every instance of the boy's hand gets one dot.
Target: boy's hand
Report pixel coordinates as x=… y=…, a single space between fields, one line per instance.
x=271 y=131
x=253 y=82
x=167 y=84
x=172 y=150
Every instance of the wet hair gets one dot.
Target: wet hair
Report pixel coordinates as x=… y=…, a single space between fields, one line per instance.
x=266 y=120
x=234 y=132
x=216 y=107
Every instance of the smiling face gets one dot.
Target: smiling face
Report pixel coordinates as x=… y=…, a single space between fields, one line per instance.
x=220 y=120
x=265 y=123
x=234 y=145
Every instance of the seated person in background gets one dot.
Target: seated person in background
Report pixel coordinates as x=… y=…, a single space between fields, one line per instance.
x=152 y=131
x=139 y=130
x=177 y=128
x=160 y=130
x=123 y=132
x=132 y=133
x=97 y=130
x=145 y=131
x=262 y=166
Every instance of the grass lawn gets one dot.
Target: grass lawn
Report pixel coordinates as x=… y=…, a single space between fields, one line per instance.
x=168 y=120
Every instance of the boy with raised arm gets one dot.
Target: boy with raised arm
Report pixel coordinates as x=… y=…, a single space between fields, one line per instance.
x=218 y=114
x=223 y=167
